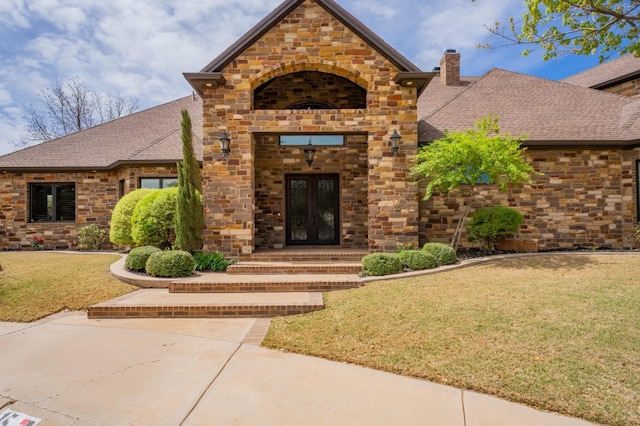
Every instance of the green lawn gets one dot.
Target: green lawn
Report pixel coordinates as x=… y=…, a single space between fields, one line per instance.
x=557 y=332
x=34 y=285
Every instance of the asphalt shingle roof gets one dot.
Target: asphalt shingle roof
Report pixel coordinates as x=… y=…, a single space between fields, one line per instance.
x=545 y=110
x=152 y=135
x=607 y=72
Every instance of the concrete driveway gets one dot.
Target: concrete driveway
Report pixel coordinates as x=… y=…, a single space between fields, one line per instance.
x=69 y=370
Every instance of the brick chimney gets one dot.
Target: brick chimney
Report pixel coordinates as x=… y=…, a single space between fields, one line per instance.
x=450 y=68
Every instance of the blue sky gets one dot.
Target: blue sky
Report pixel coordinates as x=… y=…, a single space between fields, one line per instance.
x=141 y=48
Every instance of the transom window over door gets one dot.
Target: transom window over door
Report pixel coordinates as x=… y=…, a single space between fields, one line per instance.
x=52 y=202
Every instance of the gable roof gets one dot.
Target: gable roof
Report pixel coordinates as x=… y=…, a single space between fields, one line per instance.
x=607 y=74
x=152 y=136
x=549 y=112
x=289 y=6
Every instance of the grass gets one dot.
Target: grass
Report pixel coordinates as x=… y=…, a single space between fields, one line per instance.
x=560 y=333
x=34 y=285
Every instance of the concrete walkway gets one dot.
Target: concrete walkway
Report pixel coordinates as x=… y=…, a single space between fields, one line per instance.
x=70 y=370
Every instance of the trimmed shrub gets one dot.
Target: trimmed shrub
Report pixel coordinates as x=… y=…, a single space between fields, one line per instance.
x=637 y=235
x=377 y=264
x=417 y=260
x=489 y=224
x=170 y=264
x=120 y=232
x=152 y=222
x=92 y=236
x=137 y=258
x=214 y=262
x=442 y=253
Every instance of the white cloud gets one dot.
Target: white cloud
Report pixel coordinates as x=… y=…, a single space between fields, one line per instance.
x=13 y=13
x=378 y=8
x=141 y=48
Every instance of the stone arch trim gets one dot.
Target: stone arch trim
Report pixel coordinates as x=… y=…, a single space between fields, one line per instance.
x=294 y=67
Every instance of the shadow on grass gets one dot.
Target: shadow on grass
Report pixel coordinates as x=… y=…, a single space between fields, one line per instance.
x=552 y=261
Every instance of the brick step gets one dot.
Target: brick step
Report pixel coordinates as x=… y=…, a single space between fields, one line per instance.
x=315 y=255
x=159 y=303
x=279 y=268
x=265 y=283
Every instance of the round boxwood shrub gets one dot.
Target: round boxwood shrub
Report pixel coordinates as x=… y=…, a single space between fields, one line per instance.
x=152 y=222
x=489 y=224
x=443 y=254
x=137 y=258
x=120 y=232
x=170 y=264
x=377 y=264
x=417 y=260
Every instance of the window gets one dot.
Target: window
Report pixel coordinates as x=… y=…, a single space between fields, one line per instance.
x=158 y=183
x=121 y=188
x=52 y=202
x=318 y=140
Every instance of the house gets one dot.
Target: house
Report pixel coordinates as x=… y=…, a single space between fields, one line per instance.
x=312 y=104
x=621 y=76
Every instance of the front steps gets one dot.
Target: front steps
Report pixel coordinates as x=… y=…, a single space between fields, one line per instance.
x=295 y=267
x=159 y=303
x=268 y=284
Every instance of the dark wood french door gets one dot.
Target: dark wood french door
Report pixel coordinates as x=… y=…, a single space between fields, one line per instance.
x=313 y=210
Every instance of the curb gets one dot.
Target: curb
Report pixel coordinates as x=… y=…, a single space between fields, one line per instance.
x=487 y=259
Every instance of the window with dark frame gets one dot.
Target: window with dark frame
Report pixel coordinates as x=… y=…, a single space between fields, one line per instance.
x=158 y=183
x=121 y=188
x=52 y=202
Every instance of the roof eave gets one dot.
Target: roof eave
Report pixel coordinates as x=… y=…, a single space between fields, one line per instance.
x=419 y=80
x=94 y=169
x=617 y=80
x=590 y=144
x=204 y=80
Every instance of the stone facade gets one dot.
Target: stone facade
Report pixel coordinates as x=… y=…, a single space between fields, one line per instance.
x=309 y=39
x=627 y=88
x=584 y=198
x=274 y=162
x=96 y=195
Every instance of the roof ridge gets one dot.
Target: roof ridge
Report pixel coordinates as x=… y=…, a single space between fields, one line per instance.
x=629 y=115
x=135 y=113
x=152 y=143
x=473 y=83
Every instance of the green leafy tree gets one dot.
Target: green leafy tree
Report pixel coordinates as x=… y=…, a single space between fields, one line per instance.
x=581 y=27
x=189 y=215
x=463 y=160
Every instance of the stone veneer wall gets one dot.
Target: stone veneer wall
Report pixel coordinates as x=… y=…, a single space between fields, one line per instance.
x=628 y=88
x=585 y=198
x=309 y=39
x=273 y=162
x=96 y=196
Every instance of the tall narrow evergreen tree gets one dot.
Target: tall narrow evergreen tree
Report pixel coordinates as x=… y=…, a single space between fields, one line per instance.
x=189 y=215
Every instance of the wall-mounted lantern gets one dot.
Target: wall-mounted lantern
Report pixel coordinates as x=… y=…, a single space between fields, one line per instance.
x=395 y=141
x=309 y=152
x=225 y=144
